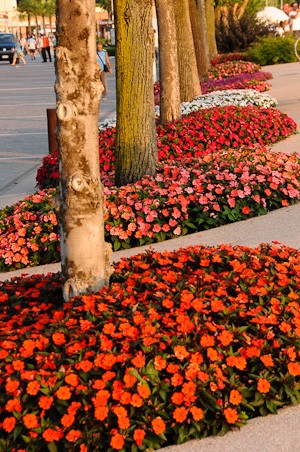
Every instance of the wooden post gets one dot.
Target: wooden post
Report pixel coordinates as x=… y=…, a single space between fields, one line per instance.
x=51 y=123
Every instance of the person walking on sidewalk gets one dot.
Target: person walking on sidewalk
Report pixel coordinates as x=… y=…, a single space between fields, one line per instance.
x=46 y=48
x=18 y=54
x=105 y=67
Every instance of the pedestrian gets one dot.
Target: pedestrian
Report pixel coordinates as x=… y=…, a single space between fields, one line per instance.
x=32 y=47
x=294 y=16
x=23 y=44
x=46 y=49
x=105 y=67
x=18 y=54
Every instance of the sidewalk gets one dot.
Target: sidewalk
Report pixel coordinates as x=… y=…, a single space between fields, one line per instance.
x=273 y=433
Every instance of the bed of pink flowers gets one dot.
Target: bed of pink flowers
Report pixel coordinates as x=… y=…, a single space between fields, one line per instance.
x=186 y=196
x=231 y=68
x=257 y=81
x=194 y=135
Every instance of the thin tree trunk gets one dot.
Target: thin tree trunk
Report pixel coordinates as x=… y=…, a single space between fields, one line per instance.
x=136 y=147
x=51 y=24
x=37 y=25
x=44 y=23
x=211 y=29
x=200 y=41
x=242 y=9
x=168 y=62
x=188 y=73
x=29 y=24
x=85 y=256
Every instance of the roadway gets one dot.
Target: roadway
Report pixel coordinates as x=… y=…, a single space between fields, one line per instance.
x=26 y=92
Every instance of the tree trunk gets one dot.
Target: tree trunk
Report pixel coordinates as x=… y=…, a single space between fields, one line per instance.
x=211 y=29
x=136 y=147
x=168 y=62
x=51 y=24
x=29 y=24
x=37 y=25
x=85 y=256
x=44 y=23
x=200 y=39
x=187 y=64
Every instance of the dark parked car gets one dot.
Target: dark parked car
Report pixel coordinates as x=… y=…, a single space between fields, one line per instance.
x=7 y=43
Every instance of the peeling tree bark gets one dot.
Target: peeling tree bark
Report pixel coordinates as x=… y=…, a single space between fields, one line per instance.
x=168 y=62
x=188 y=73
x=136 y=147
x=85 y=256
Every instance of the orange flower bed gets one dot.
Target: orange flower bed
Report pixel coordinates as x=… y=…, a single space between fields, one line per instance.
x=181 y=345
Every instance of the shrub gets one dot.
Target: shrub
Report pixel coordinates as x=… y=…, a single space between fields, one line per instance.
x=273 y=50
x=181 y=345
x=186 y=196
x=236 y=35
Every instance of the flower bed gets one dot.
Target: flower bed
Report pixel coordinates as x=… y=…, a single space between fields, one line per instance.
x=235 y=56
x=257 y=81
x=180 y=346
x=232 y=68
x=186 y=196
x=200 y=133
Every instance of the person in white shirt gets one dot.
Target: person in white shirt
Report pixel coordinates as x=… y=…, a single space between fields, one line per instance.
x=32 y=47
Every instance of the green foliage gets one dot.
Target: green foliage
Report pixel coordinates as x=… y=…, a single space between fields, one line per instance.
x=273 y=50
x=237 y=35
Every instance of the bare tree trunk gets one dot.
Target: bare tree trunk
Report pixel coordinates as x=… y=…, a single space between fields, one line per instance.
x=200 y=40
x=29 y=24
x=44 y=23
x=168 y=62
x=211 y=29
x=85 y=256
x=188 y=73
x=136 y=147
x=242 y=9
x=51 y=23
x=37 y=25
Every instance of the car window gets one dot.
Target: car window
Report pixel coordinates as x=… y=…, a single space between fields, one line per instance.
x=6 y=38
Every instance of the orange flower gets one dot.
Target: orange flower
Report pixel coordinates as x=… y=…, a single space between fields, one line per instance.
x=101 y=413
x=267 y=360
x=212 y=354
x=177 y=380
x=207 y=340
x=180 y=352
x=101 y=398
x=197 y=413
x=85 y=365
x=143 y=390
x=294 y=369
x=117 y=441
x=139 y=360
x=159 y=364
x=63 y=393
x=225 y=337
x=59 y=338
x=231 y=415
x=235 y=397
x=18 y=364
x=126 y=398
x=33 y=387
x=30 y=421
x=177 y=398
x=45 y=402
x=50 y=434
x=158 y=425
x=136 y=401
x=73 y=435
x=11 y=386
x=123 y=422
x=72 y=379
x=180 y=414
x=67 y=420
x=263 y=385
x=13 y=405
x=9 y=424
x=238 y=361
x=138 y=436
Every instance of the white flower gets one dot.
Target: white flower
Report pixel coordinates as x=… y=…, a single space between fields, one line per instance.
x=238 y=97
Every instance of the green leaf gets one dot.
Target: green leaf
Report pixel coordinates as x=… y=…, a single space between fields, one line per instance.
x=52 y=447
x=17 y=431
